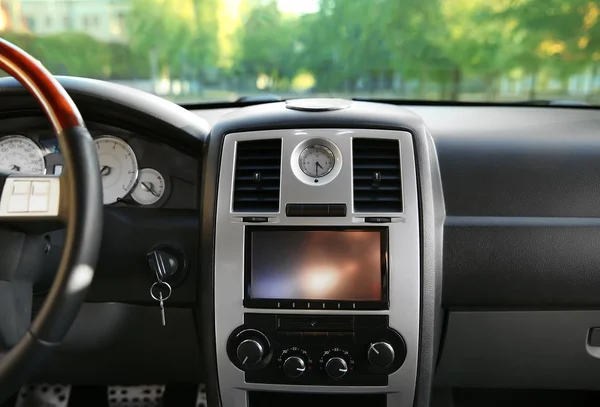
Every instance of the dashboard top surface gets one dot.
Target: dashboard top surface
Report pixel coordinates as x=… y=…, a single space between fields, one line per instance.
x=509 y=161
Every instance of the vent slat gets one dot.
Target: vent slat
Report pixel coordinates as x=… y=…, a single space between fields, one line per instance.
x=366 y=199
x=262 y=157
x=380 y=166
x=259 y=166
x=381 y=156
x=369 y=177
x=264 y=177
x=256 y=159
x=258 y=200
x=250 y=186
x=369 y=190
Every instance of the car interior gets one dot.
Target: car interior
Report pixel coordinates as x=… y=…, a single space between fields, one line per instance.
x=312 y=251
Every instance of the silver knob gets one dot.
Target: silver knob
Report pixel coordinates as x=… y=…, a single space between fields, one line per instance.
x=250 y=352
x=294 y=366
x=336 y=367
x=381 y=354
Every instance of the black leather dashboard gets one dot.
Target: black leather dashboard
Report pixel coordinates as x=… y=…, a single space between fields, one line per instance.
x=519 y=162
x=521 y=191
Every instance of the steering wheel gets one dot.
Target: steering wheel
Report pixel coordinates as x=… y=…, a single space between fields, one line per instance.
x=31 y=205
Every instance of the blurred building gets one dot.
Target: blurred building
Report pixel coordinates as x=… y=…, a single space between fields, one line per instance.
x=11 y=17
x=101 y=19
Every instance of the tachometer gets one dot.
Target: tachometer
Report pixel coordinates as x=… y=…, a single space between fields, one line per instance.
x=21 y=155
x=118 y=166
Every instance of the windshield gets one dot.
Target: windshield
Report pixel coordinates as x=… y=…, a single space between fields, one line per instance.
x=222 y=50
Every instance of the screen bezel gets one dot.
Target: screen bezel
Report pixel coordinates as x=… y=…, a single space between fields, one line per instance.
x=291 y=303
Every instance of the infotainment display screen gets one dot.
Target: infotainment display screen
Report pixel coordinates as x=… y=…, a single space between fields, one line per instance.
x=326 y=266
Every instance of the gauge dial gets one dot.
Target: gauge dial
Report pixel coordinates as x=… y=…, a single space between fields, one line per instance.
x=118 y=166
x=20 y=154
x=316 y=161
x=150 y=187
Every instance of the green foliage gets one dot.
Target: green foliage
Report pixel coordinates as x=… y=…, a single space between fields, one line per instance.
x=179 y=34
x=268 y=44
x=78 y=54
x=374 y=45
x=411 y=48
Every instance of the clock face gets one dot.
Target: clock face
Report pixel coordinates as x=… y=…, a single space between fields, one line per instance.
x=316 y=161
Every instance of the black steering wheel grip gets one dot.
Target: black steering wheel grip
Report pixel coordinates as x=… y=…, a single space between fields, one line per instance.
x=74 y=198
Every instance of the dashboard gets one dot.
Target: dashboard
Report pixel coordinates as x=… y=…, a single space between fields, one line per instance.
x=473 y=229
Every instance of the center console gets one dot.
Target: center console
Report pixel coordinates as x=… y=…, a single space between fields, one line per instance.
x=324 y=260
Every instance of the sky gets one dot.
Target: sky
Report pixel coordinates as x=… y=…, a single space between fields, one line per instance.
x=298 y=6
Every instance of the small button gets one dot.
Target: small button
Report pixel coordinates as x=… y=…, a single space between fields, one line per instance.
x=41 y=188
x=289 y=337
x=38 y=203
x=299 y=304
x=314 y=337
x=21 y=187
x=378 y=220
x=255 y=219
x=337 y=210
x=371 y=321
x=18 y=204
x=340 y=337
x=315 y=210
x=294 y=210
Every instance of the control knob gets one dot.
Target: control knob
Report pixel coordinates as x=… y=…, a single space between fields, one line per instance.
x=336 y=367
x=294 y=366
x=250 y=351
x=381 y=354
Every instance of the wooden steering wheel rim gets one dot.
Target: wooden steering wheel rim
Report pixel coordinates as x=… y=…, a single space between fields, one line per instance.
x=81 y=194
x=52 y=97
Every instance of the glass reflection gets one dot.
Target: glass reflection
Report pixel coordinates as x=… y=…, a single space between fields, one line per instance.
x=316 y=265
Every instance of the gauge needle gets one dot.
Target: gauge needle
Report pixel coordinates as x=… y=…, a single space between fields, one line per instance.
x=15 y=168
x=105 y=170
x=149 y=187
x=317 y=165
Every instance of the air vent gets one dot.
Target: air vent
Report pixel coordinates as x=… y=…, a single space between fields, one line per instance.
x=376 y=166
x=257 y=174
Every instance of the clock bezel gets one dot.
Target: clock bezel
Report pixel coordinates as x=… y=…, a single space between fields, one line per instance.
x=321 y=180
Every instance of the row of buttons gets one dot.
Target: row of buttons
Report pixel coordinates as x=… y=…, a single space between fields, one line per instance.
x=299 y=304
x=28 y=196
x=315 y=305
x=315 y=337
x=316 y=210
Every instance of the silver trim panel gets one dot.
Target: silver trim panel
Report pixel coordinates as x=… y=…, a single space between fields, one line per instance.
x=404 y=261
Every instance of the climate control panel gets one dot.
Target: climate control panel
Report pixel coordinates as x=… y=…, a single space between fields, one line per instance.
x=316 y=350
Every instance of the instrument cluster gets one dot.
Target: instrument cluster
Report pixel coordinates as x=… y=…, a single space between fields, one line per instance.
x=135 y=171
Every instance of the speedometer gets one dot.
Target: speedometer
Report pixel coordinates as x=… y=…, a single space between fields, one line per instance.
x=118 y=166
x=20 y=154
